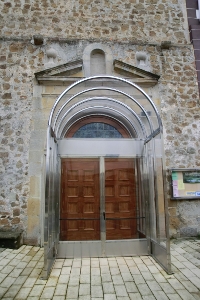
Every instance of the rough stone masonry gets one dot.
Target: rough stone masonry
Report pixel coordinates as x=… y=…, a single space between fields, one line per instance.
x=29 y=27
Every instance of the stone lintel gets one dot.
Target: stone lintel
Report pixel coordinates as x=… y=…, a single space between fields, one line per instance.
x=60 y=80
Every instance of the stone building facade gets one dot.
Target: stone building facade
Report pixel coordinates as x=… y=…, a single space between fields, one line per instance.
x=41 y=35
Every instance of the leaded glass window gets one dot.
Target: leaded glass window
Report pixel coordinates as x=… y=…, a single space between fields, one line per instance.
x=97 y=130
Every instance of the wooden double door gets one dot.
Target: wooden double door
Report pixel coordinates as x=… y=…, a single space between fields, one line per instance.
x=92 y=202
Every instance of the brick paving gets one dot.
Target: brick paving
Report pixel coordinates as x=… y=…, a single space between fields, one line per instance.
x=114 y=278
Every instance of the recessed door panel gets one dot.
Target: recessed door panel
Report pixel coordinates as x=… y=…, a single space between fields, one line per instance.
x=120 y=199
x=80 y=206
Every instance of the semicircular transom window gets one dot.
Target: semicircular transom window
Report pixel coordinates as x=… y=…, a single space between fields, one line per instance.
x=97 y=130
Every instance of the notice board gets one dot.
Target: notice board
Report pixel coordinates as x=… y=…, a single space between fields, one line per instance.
x=185 y=183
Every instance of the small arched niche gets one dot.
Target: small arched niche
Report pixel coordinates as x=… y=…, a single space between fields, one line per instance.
x=97 y=62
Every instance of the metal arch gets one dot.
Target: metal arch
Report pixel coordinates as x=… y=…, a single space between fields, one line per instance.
x=92 y=107
x=106 y=77
x=95 y=114
x=100 y=98
x=109 y=89
x=87 y=108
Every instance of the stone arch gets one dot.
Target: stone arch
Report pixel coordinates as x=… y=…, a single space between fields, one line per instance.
x=97 y=48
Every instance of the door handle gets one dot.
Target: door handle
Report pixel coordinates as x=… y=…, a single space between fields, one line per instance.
x=104 y=215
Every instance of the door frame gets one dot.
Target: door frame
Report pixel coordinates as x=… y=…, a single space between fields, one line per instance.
x=102 y=247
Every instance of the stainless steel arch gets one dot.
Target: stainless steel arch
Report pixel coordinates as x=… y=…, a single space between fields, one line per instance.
x=94 y=114
x=105 y=89
x=95 y=108
x=57 y=132
x=113 y=78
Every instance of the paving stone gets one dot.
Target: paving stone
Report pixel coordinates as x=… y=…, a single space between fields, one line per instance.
x=160 y=295
x=117 y=279
x=55 y=272
x=2 y=277
x=96 y=280
x=23 y=293
x=60 y=289
x=127 y=277
x=58 y=264
x=135 y=296
x=149 y=297
x=72 y=292
x=7 y=282
x=174 y=297
x=85 y=262
x=76 y=271
x=29 y=282
x=96 y=291
x=108 y=288
x=120 y=291
x=153 y=285
x=84 y=289
x=175 y=284
x=147 y=276
x=52 y=281
x=12 y=291
x=94 y=271
x=73 y=280
x=48 y=292
x=27 y=271
x=131 y=287
x=185 y=295
x=159 y=277
x=134 y=270
x=196 y=271
x=2 y=291
x=110 y=297
x=144 y=289
x=187 y=273
x=189 y=286
x=195 y=281
x=143 y=267
x=66 y=270
x=114 y=271
x=86 y=270
x=85 y=278
x=167 y=288
x=104 y=269
x=138 y=279
x=36 y=291
x=105 y=277
x=84 y=297
x=59 y=298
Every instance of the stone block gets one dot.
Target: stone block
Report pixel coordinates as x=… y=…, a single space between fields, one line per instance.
x=188 y=231
x=35 y=186
x=12 y=240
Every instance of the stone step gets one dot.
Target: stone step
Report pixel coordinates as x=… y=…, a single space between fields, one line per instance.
x=12 y=240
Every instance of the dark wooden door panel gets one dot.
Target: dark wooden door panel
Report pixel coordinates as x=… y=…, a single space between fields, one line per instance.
x=80 y=206
x=120 y=199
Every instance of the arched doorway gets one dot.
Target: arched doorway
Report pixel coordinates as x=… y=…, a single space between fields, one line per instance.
x=114 y=199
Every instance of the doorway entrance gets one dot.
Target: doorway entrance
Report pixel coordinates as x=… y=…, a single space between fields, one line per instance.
x=112 y=199
x=81 y=205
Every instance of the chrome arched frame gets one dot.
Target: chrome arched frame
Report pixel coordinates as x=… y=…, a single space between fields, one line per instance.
x=79 y=100
x=152 y=132
x=60 y=132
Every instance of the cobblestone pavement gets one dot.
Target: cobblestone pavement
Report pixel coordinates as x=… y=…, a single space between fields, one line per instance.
x=101 y=278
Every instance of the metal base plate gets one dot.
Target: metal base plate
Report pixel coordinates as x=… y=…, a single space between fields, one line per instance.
x=71 y=249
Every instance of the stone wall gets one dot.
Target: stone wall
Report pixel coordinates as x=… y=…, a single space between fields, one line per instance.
x=69 y=26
